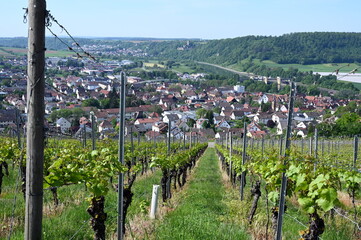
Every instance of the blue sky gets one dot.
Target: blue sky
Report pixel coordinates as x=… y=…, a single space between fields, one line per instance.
x=207 y=19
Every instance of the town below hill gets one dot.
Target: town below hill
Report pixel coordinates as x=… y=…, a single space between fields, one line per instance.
x=189 y=98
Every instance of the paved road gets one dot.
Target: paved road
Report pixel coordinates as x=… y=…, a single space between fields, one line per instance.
x=228 y=69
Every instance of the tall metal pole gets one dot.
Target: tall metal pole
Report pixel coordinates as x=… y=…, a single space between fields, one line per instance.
x=284 y=177
x=315 y=148
x=322 y=146
x=131 y=139
x=243 y=175
x=230 y=154
x=190 y=143
x=121 y=155
x=84 y=139
x=138 y=136
x=18 y=127
x=132 y=143
x=155 y=145
x=169 y=133
x=184 y=140
x=227 y=140
x=355 y=151
x=93 y=129
x=35 y=125
x=281 y=145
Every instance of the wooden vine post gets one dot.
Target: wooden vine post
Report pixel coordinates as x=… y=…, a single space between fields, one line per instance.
x=35 y=124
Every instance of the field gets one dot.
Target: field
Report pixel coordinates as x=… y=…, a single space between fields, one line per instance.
x=182 y=69
x=8 y=52
x=50 y=53
x=327 y=67
x=153 y=65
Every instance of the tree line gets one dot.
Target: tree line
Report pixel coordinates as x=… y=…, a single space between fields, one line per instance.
x=299 y=48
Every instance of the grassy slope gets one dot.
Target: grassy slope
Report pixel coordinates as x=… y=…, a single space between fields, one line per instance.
x=182 y=68
x=201 y=212
x=326 y=67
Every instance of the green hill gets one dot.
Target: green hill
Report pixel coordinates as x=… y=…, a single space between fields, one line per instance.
x=295 y=48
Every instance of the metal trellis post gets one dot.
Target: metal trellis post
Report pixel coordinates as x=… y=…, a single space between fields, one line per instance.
x=281 y=207
x=120 y=219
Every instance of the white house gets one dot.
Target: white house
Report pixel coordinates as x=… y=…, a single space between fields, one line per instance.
x=176 y=133
x=223 y=124
x=63 y=124
x=90 y=85
x=263 y=99
x=173 y=118
x=262 y=118
x=282 y=127
x=147 y=122
x=237 y=115
x=253 y=127
x=105 y=126
x=301 y=125
x=239 y=89
x=279 y=117
x=159 y=127
x=283 y=109
x=301 y=133
x=182 y=125
x=49 y=107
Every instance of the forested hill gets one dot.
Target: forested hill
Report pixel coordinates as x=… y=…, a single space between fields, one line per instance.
x=302 y=48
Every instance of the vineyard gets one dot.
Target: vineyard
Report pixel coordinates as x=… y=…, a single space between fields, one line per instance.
x=323 y=185
x=80 y=184
x=80 y=187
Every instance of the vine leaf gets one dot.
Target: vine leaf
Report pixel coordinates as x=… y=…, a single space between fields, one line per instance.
x=273 y=196
x=327 y=199
x=307 y=204
x=301 y=183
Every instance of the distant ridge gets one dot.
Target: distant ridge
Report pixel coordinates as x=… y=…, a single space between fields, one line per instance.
x=22 y=41
x=141 y=39
x=293 y=48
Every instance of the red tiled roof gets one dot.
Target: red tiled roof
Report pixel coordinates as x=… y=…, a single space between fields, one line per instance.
x=147 y=120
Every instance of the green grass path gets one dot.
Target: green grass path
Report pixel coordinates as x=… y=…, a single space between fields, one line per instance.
x=201 y=213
